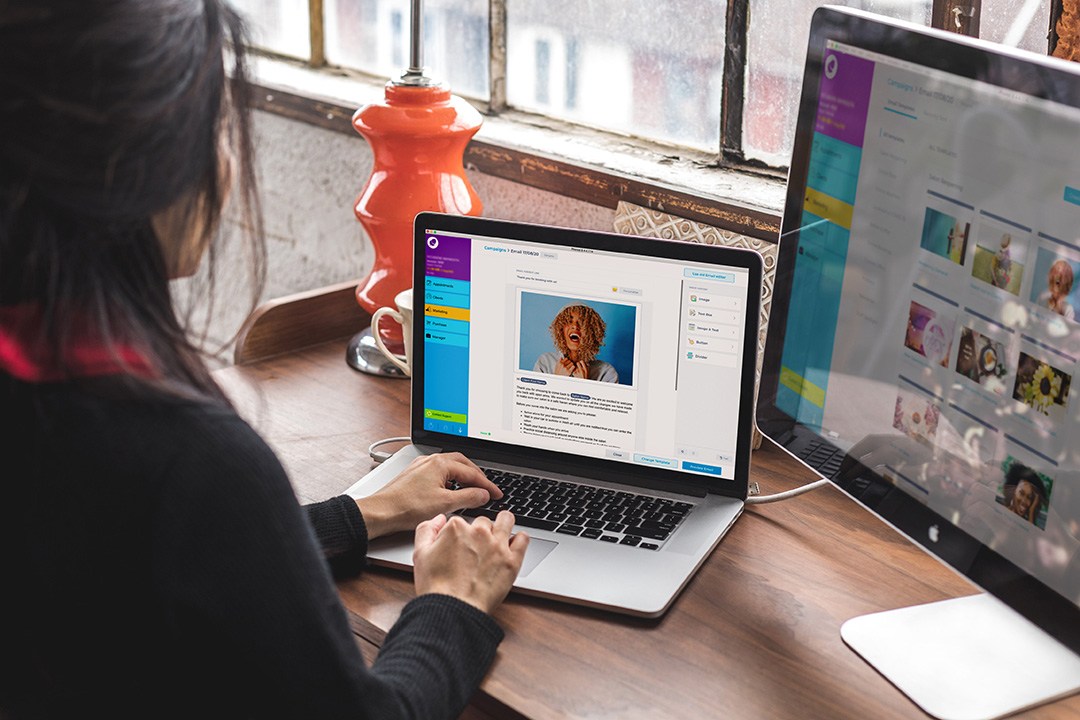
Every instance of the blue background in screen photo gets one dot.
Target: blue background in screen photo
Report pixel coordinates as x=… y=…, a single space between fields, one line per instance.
x=538 y=310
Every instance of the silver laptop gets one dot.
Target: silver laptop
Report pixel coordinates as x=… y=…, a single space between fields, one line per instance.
x=604 y=382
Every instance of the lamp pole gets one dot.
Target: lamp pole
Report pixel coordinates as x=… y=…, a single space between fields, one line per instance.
x=416 y=40
x=418 y=135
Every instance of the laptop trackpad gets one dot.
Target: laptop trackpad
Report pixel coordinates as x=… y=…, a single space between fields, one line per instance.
x=538 y=550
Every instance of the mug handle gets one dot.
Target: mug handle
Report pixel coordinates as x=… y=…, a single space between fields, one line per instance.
x=395 y=315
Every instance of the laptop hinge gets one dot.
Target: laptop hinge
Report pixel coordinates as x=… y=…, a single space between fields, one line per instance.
x=614 y=476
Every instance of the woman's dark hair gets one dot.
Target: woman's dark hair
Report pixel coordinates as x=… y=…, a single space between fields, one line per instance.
x=1019 y=473
x=112 y=111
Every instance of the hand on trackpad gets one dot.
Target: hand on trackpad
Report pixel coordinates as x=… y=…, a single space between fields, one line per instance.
x=538 y=550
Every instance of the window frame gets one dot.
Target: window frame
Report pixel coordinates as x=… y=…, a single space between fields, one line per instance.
x=599 y=183
x=961 y=16
x=521 y=149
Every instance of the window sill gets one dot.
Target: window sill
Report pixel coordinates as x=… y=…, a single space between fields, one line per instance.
x=591 y=165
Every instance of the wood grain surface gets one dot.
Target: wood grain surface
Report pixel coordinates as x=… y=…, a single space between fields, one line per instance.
x=297 y=321
x=755 y=634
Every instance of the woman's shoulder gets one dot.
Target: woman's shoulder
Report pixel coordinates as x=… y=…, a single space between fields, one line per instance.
x=603 y=371
x=177 y=419
x=203 y=440
x=137 y=438
x=546 y=362
x=100 y=475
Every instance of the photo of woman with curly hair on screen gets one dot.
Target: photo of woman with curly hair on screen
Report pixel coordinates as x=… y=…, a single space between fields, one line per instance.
x=578 y=333
x=1026 y=493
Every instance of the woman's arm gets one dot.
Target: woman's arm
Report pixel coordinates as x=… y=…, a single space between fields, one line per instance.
x=343 y=526
x=341 y=534
x=246 y=589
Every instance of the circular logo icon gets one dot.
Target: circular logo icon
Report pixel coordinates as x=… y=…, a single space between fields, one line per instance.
x=433 y=242
x=831 y=64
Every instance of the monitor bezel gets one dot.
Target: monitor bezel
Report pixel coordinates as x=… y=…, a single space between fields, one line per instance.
x=1042 y=77
x=558 y=462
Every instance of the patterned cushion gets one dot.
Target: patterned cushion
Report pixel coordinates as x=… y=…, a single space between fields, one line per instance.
x=634 y=220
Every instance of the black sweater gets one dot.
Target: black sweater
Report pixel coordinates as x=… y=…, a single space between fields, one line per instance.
x=154 y=562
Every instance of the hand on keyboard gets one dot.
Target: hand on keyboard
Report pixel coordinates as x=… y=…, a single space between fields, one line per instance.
x=475 y=563
x=569 y=508
x=424 y=489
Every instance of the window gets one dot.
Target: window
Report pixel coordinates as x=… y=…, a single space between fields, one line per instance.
x=1019 y=24
x=373 y=36
x=281 y=26
x=704 y=74
x=571 y=74
x=645 y=67
x=776 y=45
x=542 y=73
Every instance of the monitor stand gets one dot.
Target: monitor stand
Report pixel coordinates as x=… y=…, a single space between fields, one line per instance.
x=965 y=659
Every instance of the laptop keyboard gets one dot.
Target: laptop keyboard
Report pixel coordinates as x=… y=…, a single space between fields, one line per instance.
x=596 y=513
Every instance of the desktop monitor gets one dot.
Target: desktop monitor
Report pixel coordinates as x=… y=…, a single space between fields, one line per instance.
x=925 y=331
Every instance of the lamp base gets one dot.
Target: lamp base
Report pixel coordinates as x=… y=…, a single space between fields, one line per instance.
x=364 y=355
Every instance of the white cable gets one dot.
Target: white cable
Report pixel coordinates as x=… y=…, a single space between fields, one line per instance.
x=379 y=457
x=760 y=499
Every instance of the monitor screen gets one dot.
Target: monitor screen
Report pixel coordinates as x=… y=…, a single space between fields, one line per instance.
x=925 y=332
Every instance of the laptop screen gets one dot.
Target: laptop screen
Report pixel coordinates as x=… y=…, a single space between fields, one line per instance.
x=591 y=346
x=925 y=322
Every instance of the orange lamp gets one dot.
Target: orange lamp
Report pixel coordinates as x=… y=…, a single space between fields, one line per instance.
x=418 y=136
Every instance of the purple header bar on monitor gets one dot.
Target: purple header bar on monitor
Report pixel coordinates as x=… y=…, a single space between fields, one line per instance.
x=844 y=99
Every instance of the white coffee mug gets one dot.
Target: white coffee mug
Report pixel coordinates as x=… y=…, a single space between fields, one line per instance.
x=403 y=315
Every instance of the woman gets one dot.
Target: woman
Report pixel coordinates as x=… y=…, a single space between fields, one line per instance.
x=155 y=561
x=1025 y=492
x=578 y=334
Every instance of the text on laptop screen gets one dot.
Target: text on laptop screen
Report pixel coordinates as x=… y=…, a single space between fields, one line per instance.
x=934 y=302
x=588 y=352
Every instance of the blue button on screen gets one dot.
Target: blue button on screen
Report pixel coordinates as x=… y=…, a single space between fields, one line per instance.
x=703 y=468
x=709 y=275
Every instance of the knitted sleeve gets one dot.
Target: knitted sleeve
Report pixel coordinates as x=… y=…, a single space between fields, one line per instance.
x=341 y=534
x=246 y=584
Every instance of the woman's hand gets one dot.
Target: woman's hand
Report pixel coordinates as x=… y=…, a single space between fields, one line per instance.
x=475 y=563
x=422 y=490
x=569 y=368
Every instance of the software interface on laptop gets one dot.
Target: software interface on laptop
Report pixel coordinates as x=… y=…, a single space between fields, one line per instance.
x=593 y=353
x=934 y=296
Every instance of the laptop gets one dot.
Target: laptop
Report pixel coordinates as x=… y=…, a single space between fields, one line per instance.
x=605 y=382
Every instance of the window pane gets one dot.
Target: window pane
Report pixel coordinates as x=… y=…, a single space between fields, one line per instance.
x=776 y=42
x=373 y=36
x=648 y=67
x=281 y=26
x=1017 y=23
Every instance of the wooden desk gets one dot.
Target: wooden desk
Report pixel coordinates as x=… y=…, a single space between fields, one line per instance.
x=756 y=633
